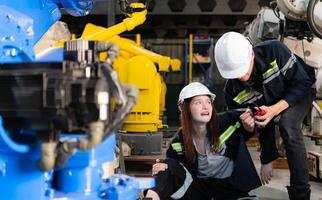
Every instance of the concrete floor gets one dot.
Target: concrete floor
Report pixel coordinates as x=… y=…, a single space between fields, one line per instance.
x=276 y=189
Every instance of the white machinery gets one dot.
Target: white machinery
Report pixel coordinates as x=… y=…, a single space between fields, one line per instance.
x=298 y=24
x=299 y=13
x=308 y=12
x=301 y=19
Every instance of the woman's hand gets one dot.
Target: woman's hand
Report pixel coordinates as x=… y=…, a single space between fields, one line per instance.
x=248 y=120
x=158 y=166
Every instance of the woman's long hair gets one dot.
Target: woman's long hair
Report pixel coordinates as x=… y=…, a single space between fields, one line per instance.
x=188 y=130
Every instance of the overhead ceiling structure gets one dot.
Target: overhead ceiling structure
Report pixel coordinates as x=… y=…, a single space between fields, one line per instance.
x=177 y=18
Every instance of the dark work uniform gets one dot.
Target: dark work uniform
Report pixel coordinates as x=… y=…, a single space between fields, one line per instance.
x=180 y=180
x=279 y=74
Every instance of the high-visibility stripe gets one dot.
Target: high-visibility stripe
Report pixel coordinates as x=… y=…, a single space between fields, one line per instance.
x=183 y=189
x=271 y=77
x=289 y=64
x=244 y=97
x=256 y=96
x=228 y=132
x=274 y=63
x=274 y=72
x=177 y=146
x=271 y=70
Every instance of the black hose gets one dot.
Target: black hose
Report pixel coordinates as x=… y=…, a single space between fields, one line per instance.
x=273 y=5
x=310 y=18
x=123 y=5
x=126 y=8
x=126 y=99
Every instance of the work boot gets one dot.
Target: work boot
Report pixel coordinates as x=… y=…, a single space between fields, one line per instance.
x=299 y=194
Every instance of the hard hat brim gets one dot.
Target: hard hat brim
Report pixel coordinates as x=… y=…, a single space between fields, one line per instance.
x=194 y=89
x=233 y=74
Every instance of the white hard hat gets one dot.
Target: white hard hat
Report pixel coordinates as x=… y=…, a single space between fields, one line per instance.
x=233 y=54
x=194 y=89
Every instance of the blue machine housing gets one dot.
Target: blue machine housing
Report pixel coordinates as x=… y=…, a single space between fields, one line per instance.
x=22 y=24
x=19 y=176
x=81 y=178
x=83 y=172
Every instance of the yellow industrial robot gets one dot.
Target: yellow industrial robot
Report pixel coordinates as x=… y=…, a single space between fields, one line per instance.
x=141 y=68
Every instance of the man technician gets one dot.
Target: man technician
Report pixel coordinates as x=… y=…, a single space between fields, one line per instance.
x=271 y=78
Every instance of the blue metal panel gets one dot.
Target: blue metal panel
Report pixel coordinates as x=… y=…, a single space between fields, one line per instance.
x=80 y=179
x=120 y=187
x=19 y=176
x=83 y=171
x=77 y=7
x=23 y=23
x=16 y=44
x=51 y=55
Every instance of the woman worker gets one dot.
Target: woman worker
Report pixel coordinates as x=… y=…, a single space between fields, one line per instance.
x=208 y=157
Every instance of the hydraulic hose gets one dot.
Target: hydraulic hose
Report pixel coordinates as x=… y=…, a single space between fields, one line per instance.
x=126 y=99
x=132 y=94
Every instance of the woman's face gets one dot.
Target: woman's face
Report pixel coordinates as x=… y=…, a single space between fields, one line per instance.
x=201 y=109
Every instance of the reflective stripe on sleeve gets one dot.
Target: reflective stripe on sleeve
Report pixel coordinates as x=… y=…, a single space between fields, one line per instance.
x=289 y=64
x=246 y=97
x=271 y=70
x=271 y=73
x=274 y=71
x=228 y=132
x=177 y=146
x=182 y=190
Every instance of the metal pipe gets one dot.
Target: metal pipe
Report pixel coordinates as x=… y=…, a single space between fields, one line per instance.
x=95 y=136
x=190 y=57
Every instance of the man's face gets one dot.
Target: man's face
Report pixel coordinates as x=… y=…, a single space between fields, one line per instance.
x=249 y=72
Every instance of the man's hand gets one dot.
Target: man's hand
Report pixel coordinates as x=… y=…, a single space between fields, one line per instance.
x=248 y=120
x=158 y=166
x=263 y=120
x=270 y=112
x=266 y=173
